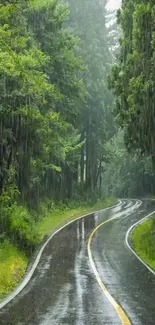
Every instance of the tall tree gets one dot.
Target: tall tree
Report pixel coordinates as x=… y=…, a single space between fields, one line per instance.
x=133 y=78
x=88 y=21
x=40 y=95
x=127 y=174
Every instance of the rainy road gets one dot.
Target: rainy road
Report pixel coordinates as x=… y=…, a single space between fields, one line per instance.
x=64 y=289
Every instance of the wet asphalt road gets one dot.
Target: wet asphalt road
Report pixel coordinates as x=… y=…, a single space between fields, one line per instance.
x=64 y=290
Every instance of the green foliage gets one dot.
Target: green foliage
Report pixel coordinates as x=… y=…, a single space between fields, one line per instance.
x=133 y=77
x=97 y=125
x=22 y=226
x=127 y=174
x=143 y=240
x=8 y=200
x=40 y=94
x=16 y=222
x=54 y=97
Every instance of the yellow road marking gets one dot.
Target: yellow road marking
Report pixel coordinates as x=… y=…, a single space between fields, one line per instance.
x=123 y=317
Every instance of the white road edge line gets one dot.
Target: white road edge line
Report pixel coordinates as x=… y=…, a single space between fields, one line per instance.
x=127 y=240
x=30 y=273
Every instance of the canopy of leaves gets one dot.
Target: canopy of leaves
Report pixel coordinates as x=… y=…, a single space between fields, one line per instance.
x=40 y=93
x=133 y=77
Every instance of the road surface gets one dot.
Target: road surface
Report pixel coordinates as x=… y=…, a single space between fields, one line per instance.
x=64 y=289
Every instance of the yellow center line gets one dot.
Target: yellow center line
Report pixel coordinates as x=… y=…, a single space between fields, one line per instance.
x=122 y=315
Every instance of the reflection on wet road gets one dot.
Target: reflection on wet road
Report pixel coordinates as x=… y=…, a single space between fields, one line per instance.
x=64 y=290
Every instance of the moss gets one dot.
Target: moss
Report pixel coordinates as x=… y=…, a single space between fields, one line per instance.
x=144 y=241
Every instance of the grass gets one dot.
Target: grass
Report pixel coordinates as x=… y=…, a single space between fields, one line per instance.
x=144 y=241
x=13 y=262
x=59 y=217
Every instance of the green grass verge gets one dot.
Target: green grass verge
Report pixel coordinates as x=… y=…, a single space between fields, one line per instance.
x=144 y=241
x=59 y=217
x=13 y=262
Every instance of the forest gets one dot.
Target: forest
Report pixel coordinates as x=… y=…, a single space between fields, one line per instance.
x=76 y=109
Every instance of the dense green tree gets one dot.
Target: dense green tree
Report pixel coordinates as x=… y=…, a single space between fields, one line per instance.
x=40 y=94
x=126 y=174
x=88 y=20
x=63 y=70
x=133 y=77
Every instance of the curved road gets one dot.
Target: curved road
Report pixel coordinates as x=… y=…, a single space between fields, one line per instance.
x=64 y=289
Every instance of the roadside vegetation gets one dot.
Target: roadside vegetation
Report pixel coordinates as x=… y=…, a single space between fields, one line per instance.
x=144 y=241
x=61 y=215
x=13 y=265
x=14 y=260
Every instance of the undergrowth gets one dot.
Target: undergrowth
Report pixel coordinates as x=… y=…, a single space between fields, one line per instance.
x=54 y=219
x=13 y=264
x=144 y=241
x=21 y=230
